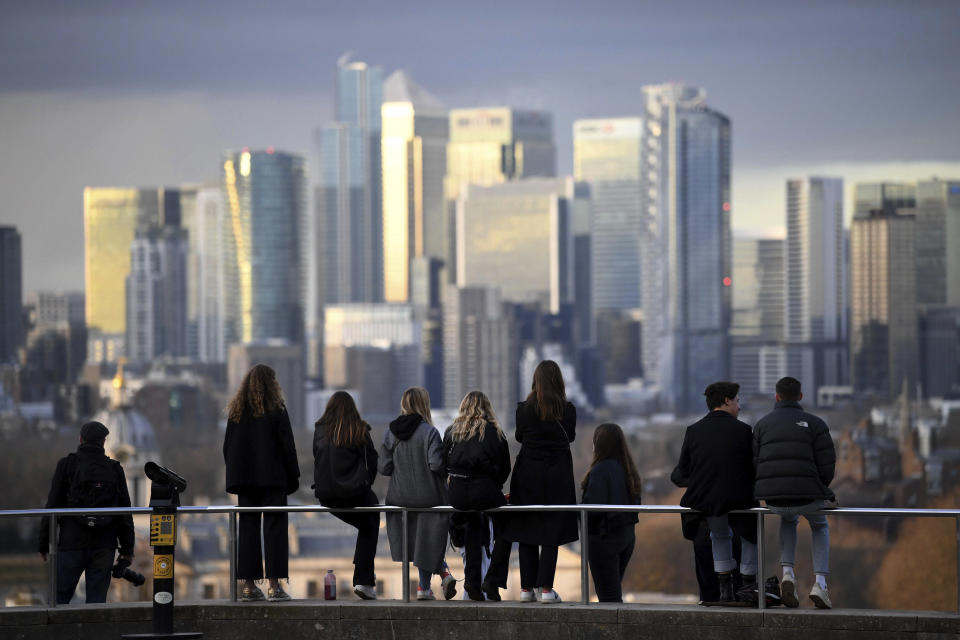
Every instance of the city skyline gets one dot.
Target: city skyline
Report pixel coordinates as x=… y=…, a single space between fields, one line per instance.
x=164 y=111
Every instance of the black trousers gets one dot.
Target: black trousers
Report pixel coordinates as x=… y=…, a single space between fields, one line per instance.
x=608 y=556
x=250 y=560
x=95 y=563
x=538 y=565
x=368 y=532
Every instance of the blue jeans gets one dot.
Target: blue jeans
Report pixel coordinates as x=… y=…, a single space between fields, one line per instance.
x=95 y=563
x=819 y=530
x=721 y=539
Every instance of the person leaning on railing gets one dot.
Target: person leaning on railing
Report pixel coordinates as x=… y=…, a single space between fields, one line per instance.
x=612 y=479
x=543 y=474
x=345 y=465
x=478 y=463
x=412 y=455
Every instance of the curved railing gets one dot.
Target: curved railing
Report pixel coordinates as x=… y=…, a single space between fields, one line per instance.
x=581 y=509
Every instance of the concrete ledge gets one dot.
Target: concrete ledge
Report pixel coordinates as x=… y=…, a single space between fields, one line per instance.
x=471 y=620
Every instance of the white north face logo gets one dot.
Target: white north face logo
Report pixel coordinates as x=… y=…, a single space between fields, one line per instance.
x=802 y=423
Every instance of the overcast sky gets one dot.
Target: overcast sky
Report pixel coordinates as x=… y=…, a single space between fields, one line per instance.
x=150 y=93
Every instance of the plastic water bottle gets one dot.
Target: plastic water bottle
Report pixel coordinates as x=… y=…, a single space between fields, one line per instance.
x=330 y=586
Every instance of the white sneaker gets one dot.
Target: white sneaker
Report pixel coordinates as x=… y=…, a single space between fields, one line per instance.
x=425 y=594
x=549 y=595
x=820 y=597
x=528 y=595
x=364 y=592
x=788 y=592
x=449 y=586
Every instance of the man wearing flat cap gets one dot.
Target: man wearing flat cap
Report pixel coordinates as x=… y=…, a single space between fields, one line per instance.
x=87 y=544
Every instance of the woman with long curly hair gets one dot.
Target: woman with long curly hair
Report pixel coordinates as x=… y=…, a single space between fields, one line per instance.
x=412 y=455
x=543 y=474
x=345 y=465
x=478 y=463
x=612 y=479
x=262 y=470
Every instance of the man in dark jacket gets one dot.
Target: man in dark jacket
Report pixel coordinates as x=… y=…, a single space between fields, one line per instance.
x=716 y=465
x=794 y=458
x=87 y=545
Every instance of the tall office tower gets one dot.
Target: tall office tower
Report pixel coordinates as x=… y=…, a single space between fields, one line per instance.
x=685 y=171
x=758 y=356
x=375 y=349
x=883 y=345
x=263 y=257
x=426 y=282
x=111 y=217
x=157 y=294
x=285 y=359
x=11 y=293
x=940 y=351
x=816 y=282
x=203 y=217
x=937 y=229
x=57 y=341
x=493 y=145
x=607 y=154
x=414 y=157
x=348 y=224
x=479 y=349
x=517 y=236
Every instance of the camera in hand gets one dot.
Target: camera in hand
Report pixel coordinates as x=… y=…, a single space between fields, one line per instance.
x=122 y=570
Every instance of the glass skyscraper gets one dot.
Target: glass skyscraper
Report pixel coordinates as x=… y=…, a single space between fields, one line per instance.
x=263 y=276
x=204 y=219
x=607 y=154
x=11 y=293
x=348 y=229
x=687 y=244
x=414 y=142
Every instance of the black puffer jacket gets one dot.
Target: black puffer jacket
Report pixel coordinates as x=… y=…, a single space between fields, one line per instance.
x=794 y=456
x=477 y=469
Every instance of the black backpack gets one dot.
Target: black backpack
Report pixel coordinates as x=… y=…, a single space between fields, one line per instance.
x=94 y=485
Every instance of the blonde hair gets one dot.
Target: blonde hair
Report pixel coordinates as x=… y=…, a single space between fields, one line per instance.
x=475 y=412
x=416 y=400
x=259 y=392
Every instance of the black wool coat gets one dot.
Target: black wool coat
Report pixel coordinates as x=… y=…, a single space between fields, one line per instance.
x=342 y=474
x=477 y=469
x=260 y=454
x=607 y=484
x=794 y=456
x=543 y=474
x=716 y=463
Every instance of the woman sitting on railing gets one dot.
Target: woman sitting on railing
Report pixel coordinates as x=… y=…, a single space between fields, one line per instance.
x=412 y=455
x=478 y=463
x=612 y=479
x=262 y=470
x=344 y=467
x=543 y=474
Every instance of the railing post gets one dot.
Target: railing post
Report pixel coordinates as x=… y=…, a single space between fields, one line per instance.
x=584 y=556
x=52 y=567
x=761 y=581
x=405 y=570
x=232 y=528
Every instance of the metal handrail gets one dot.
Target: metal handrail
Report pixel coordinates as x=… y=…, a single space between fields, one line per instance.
x=582 y=509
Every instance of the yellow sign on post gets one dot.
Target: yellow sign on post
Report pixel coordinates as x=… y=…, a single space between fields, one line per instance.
x=163 y=530
x=162 y=566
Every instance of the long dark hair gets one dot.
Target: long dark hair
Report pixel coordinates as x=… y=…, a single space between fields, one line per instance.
x=548 y=394
x=342 y=423
x=259 y=393
x=609 y=442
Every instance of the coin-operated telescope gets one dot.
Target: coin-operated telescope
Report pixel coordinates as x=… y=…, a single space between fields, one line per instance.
x=165 y=489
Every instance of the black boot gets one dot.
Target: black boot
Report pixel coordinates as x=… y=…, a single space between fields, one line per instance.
x=747 y=593
x=727 y=596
